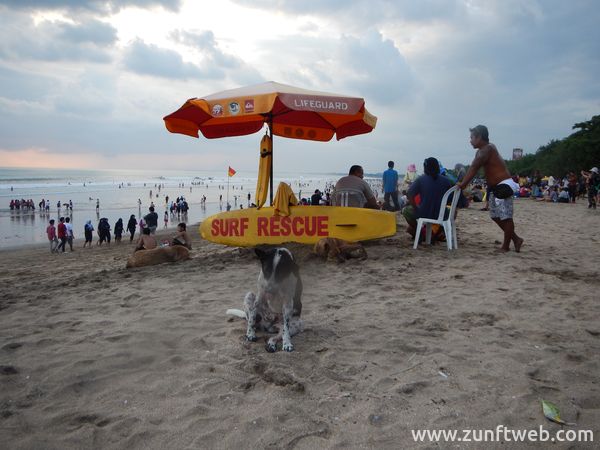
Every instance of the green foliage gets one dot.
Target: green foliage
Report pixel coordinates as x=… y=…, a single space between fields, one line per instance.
x=579 y=151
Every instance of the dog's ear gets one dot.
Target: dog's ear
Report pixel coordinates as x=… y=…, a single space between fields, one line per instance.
x=286 y=265
x=260 y=253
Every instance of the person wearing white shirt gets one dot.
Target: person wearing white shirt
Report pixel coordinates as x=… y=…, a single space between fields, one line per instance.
x=69 y=228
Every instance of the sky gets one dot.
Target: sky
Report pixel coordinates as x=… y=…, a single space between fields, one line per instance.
x=85 y=84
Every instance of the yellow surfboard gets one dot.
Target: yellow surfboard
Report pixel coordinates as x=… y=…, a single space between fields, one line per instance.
x=264 y=170
x=305 y=224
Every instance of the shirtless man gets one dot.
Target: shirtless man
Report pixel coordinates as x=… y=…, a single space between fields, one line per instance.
x=182 y=237
x=146 y=241
x=499 y=184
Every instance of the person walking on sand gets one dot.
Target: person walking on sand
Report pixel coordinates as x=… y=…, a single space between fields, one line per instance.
x=103 y=231
x=592 y=179
x=51 y=232
x=88 y=229
x=62 y=234
x=151 y=220
x=501 y=186
x=131 y=224
x=166 y=218
x=70 y=236
x=118 y=230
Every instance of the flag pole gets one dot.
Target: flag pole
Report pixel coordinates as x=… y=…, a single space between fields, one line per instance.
x=228 y=177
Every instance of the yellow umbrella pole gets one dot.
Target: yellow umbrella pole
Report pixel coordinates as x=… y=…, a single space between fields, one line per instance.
x=271 y=167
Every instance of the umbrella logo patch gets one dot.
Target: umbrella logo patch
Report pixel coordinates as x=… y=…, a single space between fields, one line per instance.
x=217 y=110
x=249 y=105
x=234 y=108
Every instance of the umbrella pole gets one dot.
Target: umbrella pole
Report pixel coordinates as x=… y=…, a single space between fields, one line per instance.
x=271 y=165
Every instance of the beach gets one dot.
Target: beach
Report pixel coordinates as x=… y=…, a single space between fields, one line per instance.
x=94 y=355
x=121 y=193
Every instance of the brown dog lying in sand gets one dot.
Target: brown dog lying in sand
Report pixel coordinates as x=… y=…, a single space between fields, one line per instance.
x=329 y=248
x=160 y=255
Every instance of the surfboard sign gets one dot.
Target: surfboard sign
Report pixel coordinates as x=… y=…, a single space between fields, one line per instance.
x=305 y=225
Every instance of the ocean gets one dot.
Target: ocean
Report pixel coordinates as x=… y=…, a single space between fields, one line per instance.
x=119 y=193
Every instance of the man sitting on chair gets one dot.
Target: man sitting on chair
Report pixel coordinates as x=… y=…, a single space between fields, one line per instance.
x=430 y=189
x=354 y=182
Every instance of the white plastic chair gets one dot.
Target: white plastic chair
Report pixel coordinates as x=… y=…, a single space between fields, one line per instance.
x=448 y=224
x=349 y=197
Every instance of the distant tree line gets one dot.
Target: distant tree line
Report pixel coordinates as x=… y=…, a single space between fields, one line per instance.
x=579 y=151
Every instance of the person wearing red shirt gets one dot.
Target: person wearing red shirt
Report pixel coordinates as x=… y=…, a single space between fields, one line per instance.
x=62 y=234
x=51 y=232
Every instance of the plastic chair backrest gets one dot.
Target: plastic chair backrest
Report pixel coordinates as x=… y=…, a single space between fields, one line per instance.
x=444 y=202
x=349 y=197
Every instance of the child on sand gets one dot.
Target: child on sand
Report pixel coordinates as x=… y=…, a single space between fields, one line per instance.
x=51 y=232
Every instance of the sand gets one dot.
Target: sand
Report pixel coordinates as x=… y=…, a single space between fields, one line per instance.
x=94 y=355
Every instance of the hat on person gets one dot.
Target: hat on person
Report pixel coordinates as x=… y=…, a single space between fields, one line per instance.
x=595 y=169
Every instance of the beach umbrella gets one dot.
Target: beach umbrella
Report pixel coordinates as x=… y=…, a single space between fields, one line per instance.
x=288 y=111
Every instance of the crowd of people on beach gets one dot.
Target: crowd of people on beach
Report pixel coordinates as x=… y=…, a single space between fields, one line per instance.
x=413 y=196
x=420 y=196
x=566 y=189
x=62 y=234
x=22 y=204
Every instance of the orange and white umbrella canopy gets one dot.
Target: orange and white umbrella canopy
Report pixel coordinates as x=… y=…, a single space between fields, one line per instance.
x=289 y=111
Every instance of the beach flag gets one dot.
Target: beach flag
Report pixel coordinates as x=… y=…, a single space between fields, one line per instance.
x=231 y=172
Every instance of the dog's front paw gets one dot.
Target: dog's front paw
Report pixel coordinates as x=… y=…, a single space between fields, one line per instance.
x=251 y=338
x=271 y=347
x=289 y=347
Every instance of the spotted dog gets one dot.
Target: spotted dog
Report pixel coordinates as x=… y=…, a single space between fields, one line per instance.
x=278 y=301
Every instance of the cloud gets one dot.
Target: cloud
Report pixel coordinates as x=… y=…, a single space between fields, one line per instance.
x=93 y=94
x=102 y=7
x=429 y=70
x=21 y=39
x=149 y=59
x=368 y=66
x=356 y=14
x=205 y=44
x=19 y=85
x=94 y=32
x=376 y=68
